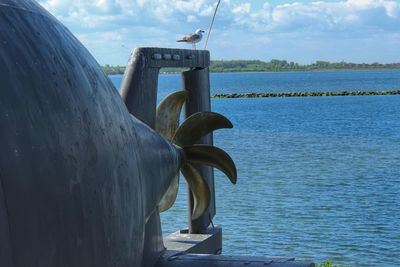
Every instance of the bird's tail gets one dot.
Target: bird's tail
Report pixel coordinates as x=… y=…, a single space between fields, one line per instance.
x=181 y=40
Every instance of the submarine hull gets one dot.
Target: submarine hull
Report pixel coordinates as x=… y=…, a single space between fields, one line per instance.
x=73 y=161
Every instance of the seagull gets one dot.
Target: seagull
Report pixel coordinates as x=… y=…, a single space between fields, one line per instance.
x=192 y=38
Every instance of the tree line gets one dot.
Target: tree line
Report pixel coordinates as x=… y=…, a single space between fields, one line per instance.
x=274 y=65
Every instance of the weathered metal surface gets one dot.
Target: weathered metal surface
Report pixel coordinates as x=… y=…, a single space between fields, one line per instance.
x=139 y=87
x=153 y=241
x=208 y=243
x=79 y=175
x=5 y=242
x=139 y=92
x=197 y=83
x=156 y=57
x=180 y=259
x=167 y=122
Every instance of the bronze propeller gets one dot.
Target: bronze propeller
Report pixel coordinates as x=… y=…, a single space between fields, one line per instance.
x=185 y=136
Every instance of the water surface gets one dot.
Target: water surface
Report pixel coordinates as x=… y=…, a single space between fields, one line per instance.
x=319 y=178
x=317 y=81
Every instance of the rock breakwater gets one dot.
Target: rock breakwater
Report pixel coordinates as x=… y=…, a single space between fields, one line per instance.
x=307 y=94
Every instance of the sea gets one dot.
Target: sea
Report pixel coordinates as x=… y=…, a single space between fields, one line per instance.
x=318 y=177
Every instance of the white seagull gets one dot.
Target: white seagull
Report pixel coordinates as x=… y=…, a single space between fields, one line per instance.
x=192 y=38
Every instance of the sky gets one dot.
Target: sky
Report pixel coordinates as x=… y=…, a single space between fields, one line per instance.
x=302 y=31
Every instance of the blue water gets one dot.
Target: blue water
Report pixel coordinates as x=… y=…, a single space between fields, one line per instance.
x=319 y=177
x=290 y=81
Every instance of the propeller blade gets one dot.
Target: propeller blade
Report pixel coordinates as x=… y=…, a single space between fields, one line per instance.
x=212 y=156
x=199 y=188
x=168 y=112
x=169 y=197
x=198 y=125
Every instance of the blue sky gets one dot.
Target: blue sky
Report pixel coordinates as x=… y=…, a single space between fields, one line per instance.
x=302 y=31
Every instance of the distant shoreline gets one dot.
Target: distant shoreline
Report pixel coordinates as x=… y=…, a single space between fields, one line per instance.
x=299 y=71
x=230 y=66
x=286 y=71
x=283 y=71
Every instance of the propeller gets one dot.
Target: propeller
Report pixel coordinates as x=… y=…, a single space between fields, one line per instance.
x=185 y=136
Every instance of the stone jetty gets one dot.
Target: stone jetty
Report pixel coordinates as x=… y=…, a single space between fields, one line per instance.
x=306 y=94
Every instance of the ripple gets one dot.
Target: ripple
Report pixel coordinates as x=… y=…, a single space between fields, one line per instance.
x=319 y=179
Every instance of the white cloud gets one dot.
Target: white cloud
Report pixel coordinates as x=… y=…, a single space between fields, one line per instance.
x=192 y=18
x=351 y=15
x=331 y=16
x=242 y=9
x=159 y=22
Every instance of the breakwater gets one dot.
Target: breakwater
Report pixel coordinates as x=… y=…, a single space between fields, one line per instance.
x=307 y=94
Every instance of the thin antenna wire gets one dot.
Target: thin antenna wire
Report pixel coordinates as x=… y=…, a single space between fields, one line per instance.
x=212 y=23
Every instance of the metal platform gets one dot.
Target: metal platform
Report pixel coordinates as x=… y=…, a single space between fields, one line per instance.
x=195 y=250
x=182 y=259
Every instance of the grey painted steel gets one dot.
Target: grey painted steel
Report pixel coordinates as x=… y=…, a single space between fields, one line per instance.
x=79 y=174
x=207 y=243
x=179 y=259
x=6 y=256
x=155 y=57
x=80 y=177
x=139 y=87
x=197 y=83
x=139 y=92
x=153 y=241
x=139 y=84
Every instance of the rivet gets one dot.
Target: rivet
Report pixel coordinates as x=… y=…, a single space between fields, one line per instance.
x=157 y=56
x=167 y=56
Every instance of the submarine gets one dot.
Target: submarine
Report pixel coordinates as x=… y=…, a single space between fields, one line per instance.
x=82 y=177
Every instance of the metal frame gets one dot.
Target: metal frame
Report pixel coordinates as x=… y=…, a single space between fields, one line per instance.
x=139 y=92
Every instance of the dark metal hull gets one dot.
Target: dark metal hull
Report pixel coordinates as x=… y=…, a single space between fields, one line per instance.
x=75 y=166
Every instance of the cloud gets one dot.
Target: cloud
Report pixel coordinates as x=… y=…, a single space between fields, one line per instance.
x=192 y=18
x=111 y=23
x=380 y=15
x=351 y=15
x=242 y=9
